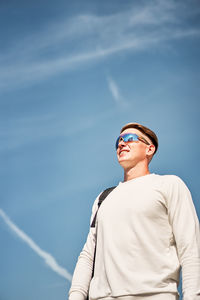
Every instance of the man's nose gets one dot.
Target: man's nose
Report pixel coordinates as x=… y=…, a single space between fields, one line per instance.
x=121 y=142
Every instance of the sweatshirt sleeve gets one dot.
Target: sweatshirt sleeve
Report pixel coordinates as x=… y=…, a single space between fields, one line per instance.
x=83 y=270
x=185 y=226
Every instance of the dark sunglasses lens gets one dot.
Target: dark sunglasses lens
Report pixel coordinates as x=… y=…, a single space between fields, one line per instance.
x=117 y=143
x=126 y=138
x=129 y=139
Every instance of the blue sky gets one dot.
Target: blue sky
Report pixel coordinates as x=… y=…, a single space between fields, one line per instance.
x=71 y=75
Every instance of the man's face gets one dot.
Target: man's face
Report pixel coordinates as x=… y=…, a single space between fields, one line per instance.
x=132 y=153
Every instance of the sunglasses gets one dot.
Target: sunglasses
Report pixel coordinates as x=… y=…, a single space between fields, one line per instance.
x=130 y=137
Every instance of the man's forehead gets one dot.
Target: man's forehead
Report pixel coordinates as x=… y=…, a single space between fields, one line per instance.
x=131 y=130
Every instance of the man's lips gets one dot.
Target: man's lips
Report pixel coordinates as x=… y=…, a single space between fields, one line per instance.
x=123 y=150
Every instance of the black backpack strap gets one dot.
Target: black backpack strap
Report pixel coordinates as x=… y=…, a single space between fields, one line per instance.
x=102 y=197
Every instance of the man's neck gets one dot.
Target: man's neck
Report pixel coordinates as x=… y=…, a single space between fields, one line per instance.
x=135 y=172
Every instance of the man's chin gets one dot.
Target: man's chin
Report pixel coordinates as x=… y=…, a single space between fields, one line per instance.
x=123 y=162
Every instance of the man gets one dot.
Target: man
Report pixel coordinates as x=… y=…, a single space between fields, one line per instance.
x=146 y=230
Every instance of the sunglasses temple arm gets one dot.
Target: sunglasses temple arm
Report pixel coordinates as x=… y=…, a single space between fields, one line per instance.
x=143 y=140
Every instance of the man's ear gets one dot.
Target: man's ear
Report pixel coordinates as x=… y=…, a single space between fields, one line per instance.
x=150 y=150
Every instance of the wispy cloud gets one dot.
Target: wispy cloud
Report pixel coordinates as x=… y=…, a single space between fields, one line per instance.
x=48 y=258
x=114 y=89
x=68 y=45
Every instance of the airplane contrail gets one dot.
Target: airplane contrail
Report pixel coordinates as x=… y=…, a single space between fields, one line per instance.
x=49 y=259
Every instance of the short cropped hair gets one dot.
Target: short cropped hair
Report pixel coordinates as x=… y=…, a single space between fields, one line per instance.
x=145 y=130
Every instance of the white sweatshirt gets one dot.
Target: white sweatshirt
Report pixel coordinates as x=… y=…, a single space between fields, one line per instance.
x=147 y=228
